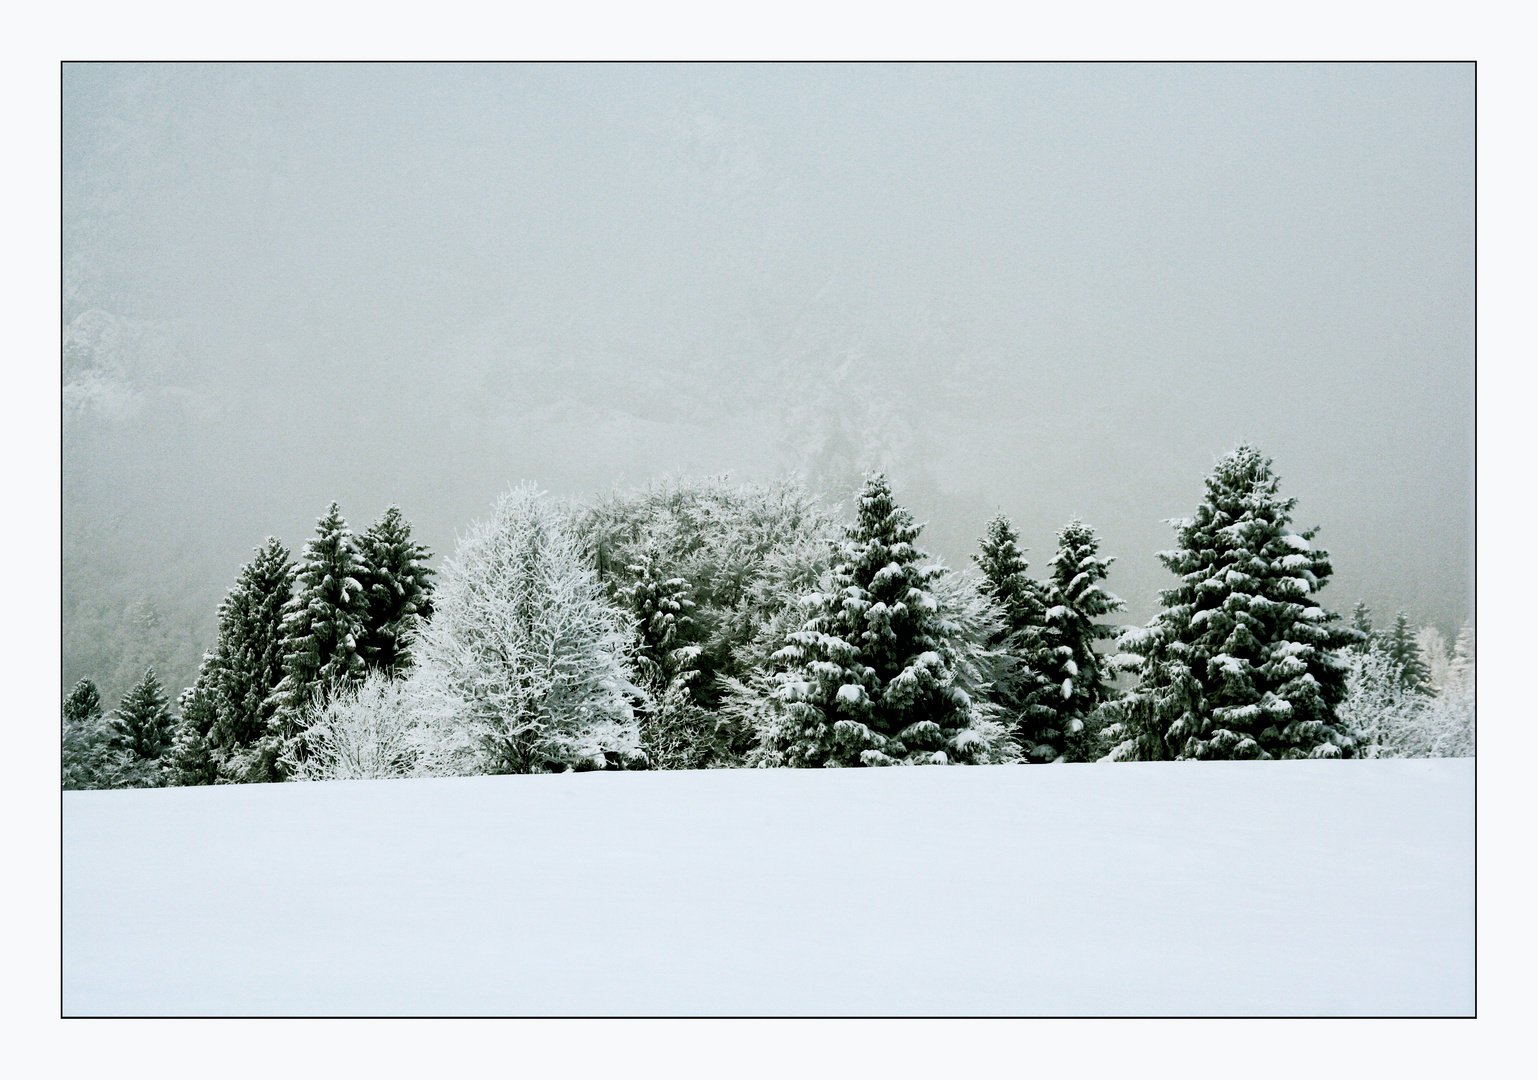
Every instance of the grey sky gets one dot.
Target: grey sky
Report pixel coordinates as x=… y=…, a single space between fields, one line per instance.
x=1051 y=290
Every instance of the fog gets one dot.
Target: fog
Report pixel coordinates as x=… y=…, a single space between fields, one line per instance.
x=1050 y=290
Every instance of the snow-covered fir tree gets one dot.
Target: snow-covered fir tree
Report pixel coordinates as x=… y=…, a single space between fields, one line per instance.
x=1021 y=602
x=1072 y=676
x=675 y=727
x=1401 y=647
x=399 y=586
x=524 y=655
x=323 y=625
x=237 y=679
x=142 y=723
x=1242 y=662
x=871 y=678
x=191 y=760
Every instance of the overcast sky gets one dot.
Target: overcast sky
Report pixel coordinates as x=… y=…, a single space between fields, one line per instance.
x=1051 y=290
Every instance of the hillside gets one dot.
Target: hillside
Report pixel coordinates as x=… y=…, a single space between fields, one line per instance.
x=1228 y=888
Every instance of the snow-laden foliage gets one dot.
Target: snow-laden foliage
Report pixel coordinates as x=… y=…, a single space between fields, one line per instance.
x=1072 y=679
x=381 y=728
x=1391 y=717
x=877 y=672
x=675 y=728
x=524 y=655
x=142 y=723
x=87 y=751
x=193 y=760
x=323 y=625
x=737 y=555
x=399 y=587
x=1021 y=605
x=1242 y=662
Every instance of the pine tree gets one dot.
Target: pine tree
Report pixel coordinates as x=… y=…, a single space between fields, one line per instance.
x=141 y=723
x=322 y=626
x=1241 y=663
x=871 y=677
x=1074 y=682
x=235 y=683
x=399 y=586
x=85 y=741
x=1400 y=645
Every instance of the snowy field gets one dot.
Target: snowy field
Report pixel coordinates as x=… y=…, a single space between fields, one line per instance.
x=1182 y=888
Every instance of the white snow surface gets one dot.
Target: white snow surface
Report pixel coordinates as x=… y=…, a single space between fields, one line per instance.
x=1224 y=888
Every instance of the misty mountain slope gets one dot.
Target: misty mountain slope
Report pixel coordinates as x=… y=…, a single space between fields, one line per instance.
x=1221 y=888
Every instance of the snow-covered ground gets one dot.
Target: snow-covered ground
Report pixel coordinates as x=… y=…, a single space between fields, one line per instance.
x=1205 y=888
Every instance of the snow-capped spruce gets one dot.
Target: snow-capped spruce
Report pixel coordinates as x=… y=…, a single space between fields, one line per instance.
x=142 y=724
x=1242 y=662
x=871 y=677
x=1361 y=622
x=1400 y=646
x=322 y=624
x=1021 y=605
x=1072 y=677
x=524 y=656
x=398 y=583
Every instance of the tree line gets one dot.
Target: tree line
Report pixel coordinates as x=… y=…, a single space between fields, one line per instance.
x=697 y=624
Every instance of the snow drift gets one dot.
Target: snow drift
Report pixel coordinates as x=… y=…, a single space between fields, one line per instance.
x=1230 y=888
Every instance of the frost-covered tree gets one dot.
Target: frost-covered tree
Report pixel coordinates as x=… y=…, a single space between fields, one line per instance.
x=399 y=587
x=322 y=627
x=86 y=742
x=747 y=552
x=1392 y=718
x=1241 y=662
x=1072 y=676
x=524 y=654
x=1400 y=646
x=875 y=674
x=1382 y=715
x=381 y=728
x=142 y=723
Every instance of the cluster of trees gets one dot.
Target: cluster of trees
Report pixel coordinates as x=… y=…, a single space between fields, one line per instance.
x=290 y=637
x=695 y=624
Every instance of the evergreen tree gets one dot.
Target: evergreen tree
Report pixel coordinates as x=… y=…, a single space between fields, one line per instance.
x=235 y=684
x=675 y=728
x=1021 y=601
x=141 y=723
x=872 y=676
x=86 y=748
x=398 y=583
x=191 y=760
x=1402 y=648
x=1361 y=622
x=322 y=626
x=1241 y=663
x=1073 y=680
